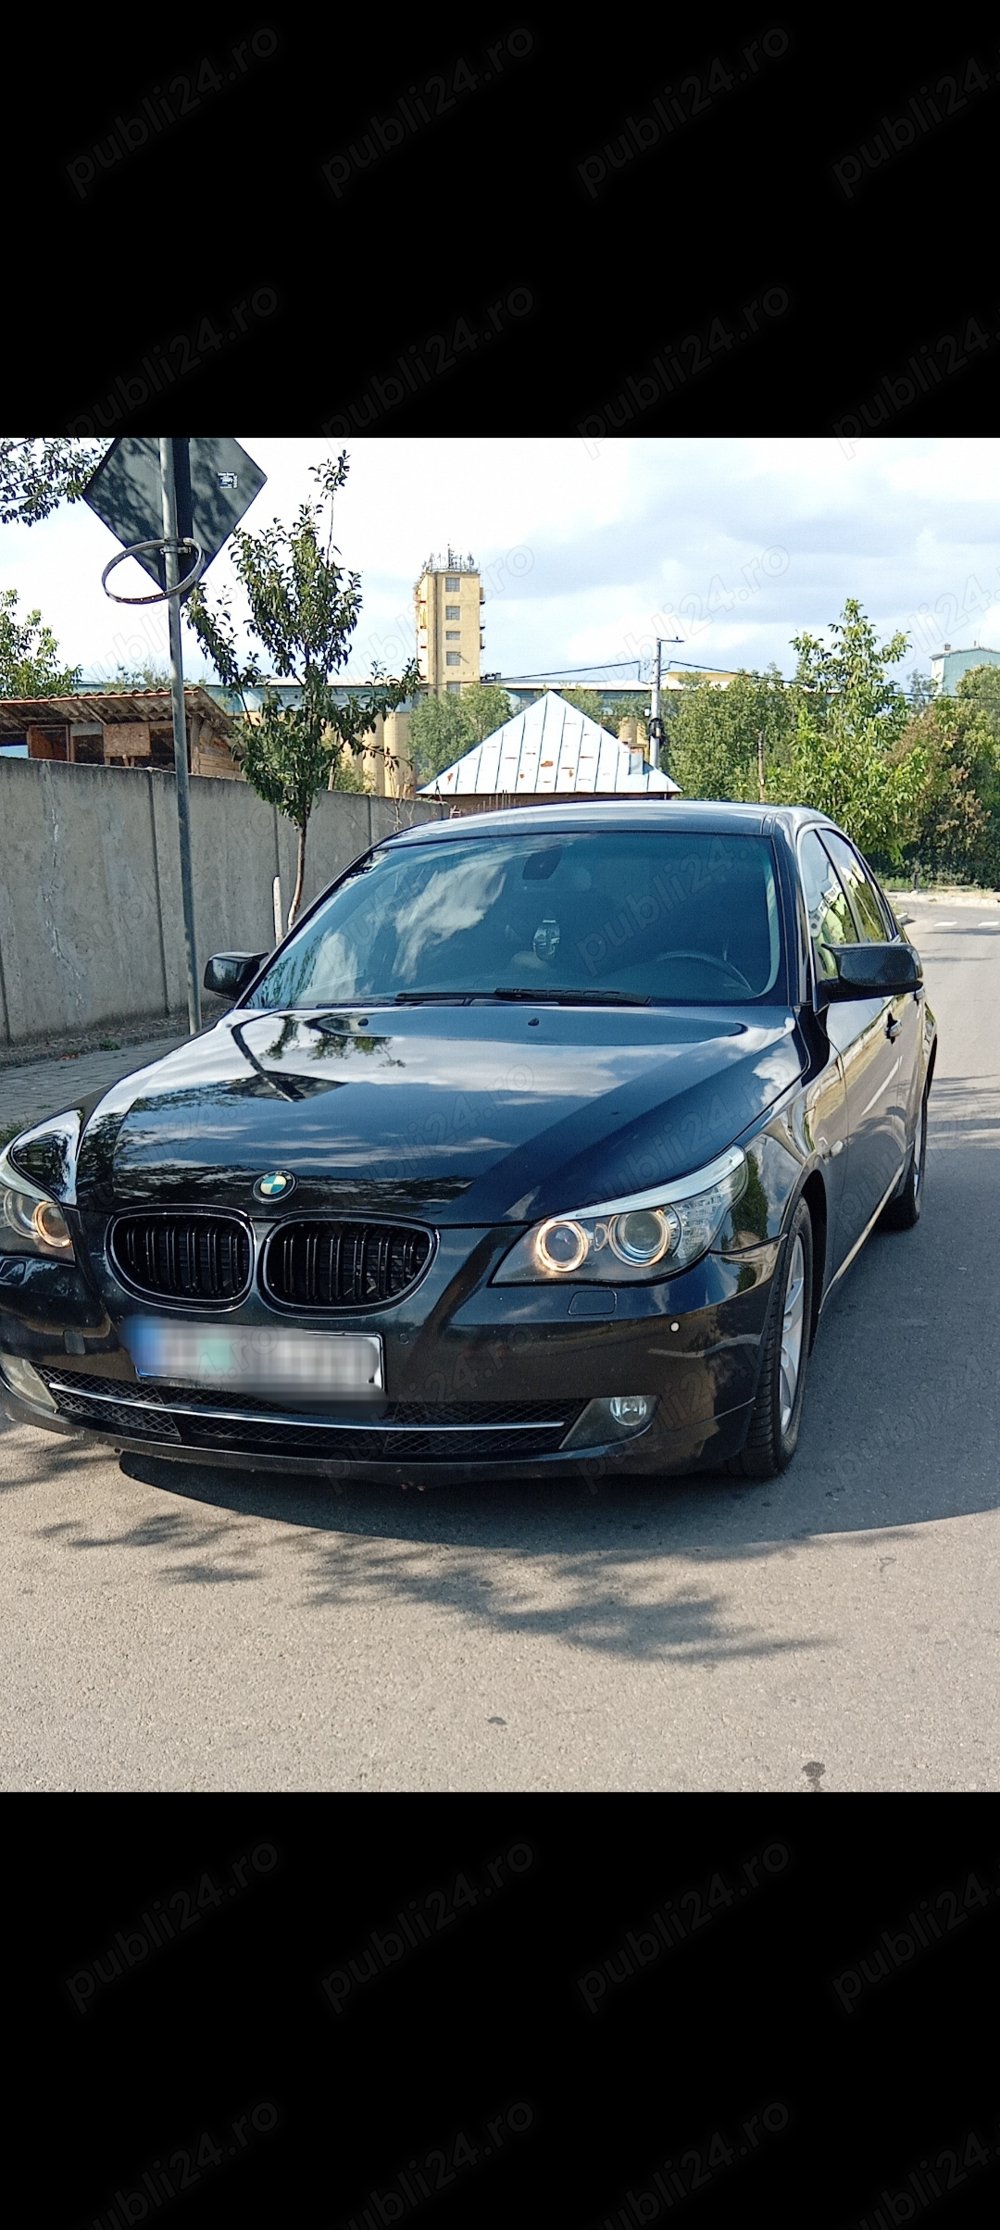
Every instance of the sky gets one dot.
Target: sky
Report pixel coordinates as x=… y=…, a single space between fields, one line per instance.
x=590 y=548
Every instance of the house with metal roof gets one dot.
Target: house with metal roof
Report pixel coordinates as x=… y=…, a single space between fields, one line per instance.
x=548 y=750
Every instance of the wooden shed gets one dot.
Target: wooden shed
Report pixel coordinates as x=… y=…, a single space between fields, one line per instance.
x=124 y=728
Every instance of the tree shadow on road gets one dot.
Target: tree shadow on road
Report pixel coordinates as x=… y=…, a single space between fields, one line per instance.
x=901 y=1430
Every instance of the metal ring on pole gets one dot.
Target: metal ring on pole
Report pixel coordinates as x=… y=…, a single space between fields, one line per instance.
x=137 y=549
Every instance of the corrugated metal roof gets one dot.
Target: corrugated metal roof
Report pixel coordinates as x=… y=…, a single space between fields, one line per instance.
x=108 y=707
x=550 y=749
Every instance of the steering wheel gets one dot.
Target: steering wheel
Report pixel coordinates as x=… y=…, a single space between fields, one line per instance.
x=711 y=960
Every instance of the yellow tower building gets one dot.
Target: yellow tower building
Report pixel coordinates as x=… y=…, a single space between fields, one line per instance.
x=449 y=598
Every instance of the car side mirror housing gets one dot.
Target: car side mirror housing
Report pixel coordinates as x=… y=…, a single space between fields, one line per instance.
x=870 y=971
x=229 y=972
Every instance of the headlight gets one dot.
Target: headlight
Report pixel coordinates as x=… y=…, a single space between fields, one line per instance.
x=623 y=1242
x=30 y=1223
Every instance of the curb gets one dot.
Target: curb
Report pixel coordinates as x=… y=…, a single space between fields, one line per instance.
x=940 y=896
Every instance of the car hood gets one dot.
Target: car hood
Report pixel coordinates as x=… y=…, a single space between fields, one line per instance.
x=468 y=1115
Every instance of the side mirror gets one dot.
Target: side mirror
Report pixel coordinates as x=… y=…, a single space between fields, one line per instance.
x=870 y=971
x=229 y=972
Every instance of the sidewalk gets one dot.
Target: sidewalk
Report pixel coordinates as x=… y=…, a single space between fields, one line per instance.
x=33 y=1089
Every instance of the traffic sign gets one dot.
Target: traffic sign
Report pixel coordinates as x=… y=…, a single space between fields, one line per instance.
x=216 y=483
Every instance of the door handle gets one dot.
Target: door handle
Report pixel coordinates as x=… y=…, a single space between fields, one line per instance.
x=893 y=1027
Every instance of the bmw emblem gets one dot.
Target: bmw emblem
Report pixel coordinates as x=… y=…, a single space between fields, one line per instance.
x=274 y=1186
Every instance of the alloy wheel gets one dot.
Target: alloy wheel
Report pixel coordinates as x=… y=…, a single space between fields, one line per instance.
x=792 y=1330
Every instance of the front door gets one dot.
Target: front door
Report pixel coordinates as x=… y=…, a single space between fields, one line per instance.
x=859 y=1038
x=896 y=1017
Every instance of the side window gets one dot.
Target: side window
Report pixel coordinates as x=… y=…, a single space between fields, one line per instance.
x=892 y=927
x=866 y=905
x=830 y=919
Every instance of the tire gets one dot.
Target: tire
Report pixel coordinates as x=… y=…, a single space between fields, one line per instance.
x=903 y=1210
x=774 y=1423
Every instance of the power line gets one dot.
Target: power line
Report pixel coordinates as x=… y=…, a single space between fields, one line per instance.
x=611 y=665
x=556 y=673
x=691 y=665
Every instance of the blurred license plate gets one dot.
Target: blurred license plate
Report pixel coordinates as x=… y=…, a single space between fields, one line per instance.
x=255 y=1360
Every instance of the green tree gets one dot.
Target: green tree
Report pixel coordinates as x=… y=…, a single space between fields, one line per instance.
x=958 y=737
x=948 y=822
x=850 y=718
x=439 y=734
x=977 y=701
x=877 y=797
x=920 y=691
x=347 y=773
x=29 y=655
x=726 y=739
x=980 y=688
x=853 y=672
x=303 y=610
x=37 y=475
x=635 y=706
x=486 y=706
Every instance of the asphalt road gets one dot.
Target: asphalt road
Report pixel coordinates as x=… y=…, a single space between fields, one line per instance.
x=173 y=1627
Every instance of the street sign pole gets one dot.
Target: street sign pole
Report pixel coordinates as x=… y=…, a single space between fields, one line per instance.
x=159 y=497
x=169 y=482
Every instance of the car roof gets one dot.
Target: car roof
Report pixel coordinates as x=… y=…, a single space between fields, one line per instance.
x=716 y=816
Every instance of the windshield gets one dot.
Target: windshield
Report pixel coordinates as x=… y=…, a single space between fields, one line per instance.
x=670 y=917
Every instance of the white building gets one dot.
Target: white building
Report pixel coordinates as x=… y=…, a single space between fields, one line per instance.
x=549 y=750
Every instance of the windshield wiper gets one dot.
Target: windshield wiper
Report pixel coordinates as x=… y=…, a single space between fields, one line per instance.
x=327 y=1022
x=547 y=997
x=437 y=998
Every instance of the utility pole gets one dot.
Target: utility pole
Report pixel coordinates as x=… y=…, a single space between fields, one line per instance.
x=655 y=723
x=169 y=479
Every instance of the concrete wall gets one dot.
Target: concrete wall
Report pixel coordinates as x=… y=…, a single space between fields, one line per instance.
x=91 y=929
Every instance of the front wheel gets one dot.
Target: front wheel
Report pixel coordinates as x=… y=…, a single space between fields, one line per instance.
x=774 y=1424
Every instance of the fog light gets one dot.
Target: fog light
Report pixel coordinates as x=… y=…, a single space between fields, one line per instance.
x=615 y=1418
x=630 y=1409
x=23 y=1379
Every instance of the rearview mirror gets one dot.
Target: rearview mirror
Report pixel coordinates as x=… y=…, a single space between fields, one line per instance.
x=868 y=971
x=228 y=972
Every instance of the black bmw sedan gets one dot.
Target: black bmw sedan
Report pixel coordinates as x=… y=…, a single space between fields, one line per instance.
x=539 y=1144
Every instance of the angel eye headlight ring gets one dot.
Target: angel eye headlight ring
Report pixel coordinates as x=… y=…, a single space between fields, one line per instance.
x=561 y=1245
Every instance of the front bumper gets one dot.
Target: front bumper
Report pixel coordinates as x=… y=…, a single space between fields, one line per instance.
x=700 y=1447
x=456 y=1346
